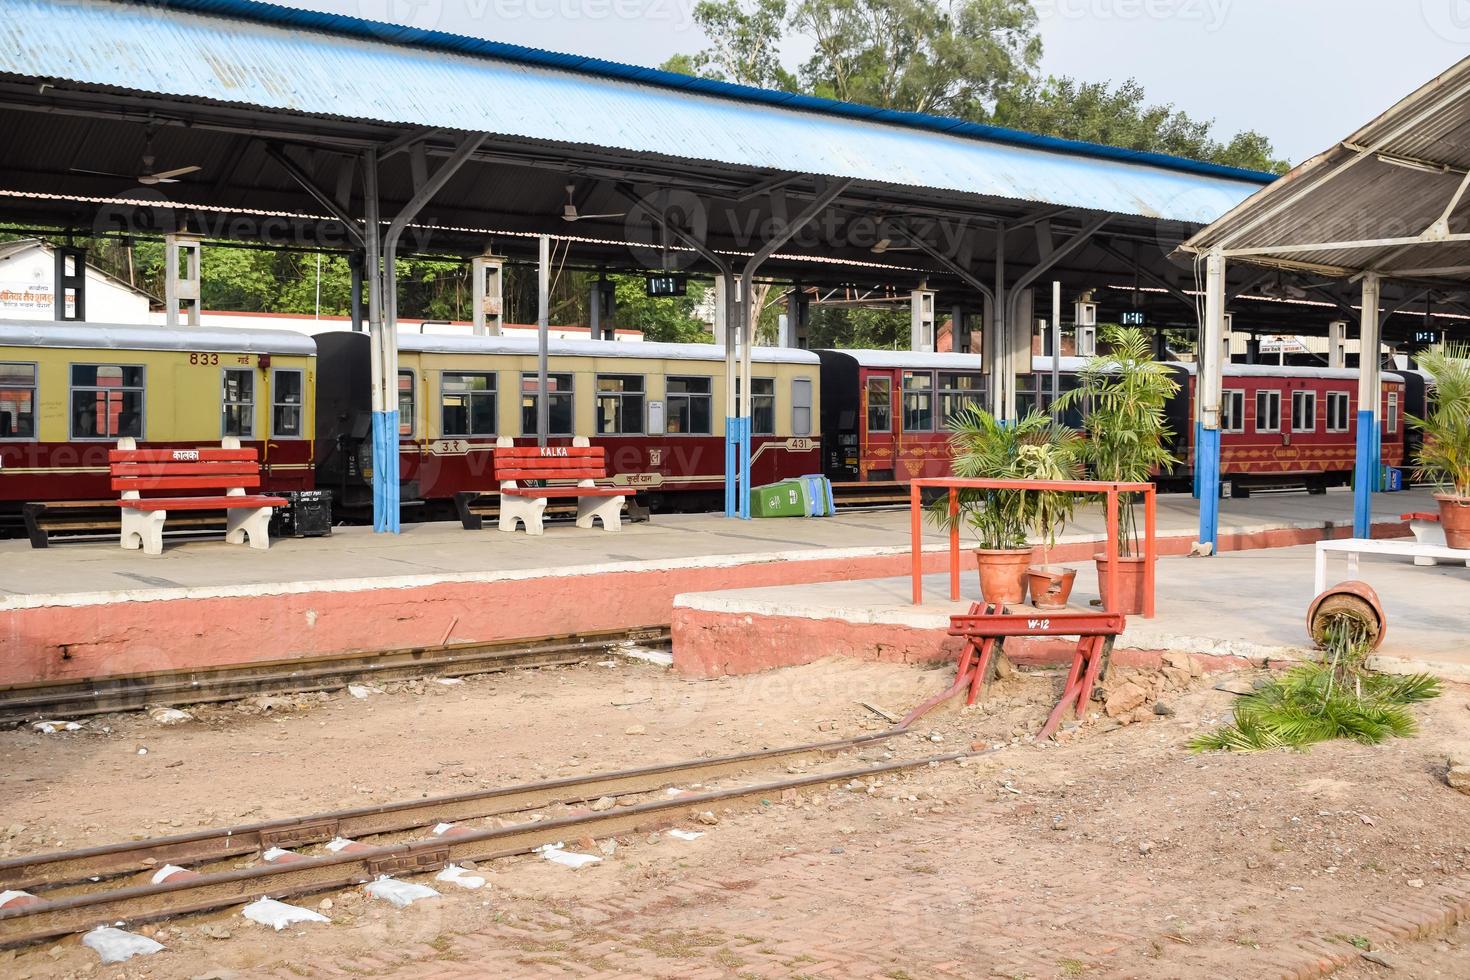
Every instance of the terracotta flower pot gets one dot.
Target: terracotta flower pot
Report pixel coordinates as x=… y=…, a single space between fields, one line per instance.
x=1130 y=583
x=1003 y=574
x=1353 y=598
x=1051 y=585
x=1454 y=517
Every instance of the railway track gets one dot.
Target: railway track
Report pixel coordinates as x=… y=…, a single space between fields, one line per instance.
x=79 y=889
x=131 y=692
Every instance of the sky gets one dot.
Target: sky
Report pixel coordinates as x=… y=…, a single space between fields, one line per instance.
x=1306 y=73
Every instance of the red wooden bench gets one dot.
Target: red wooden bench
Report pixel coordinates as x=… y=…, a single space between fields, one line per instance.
x=136 y=472
x=553 y=466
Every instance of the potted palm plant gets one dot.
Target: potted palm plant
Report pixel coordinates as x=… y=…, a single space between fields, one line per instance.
x=983 y=448
x=1444 y=455
x=1124 y=394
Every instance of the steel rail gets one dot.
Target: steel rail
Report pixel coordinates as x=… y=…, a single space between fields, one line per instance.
x=141 y=903
x=132 y=692
x=66 y=867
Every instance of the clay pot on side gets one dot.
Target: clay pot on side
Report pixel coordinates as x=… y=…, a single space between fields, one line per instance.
x=1130 y=583
x=1454 y=517
x=1051 y=585
x=1003 y=574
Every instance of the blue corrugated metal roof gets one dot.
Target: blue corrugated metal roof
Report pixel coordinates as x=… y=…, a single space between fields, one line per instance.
x=277 y=57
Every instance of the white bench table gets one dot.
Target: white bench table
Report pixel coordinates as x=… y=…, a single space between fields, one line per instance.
x=1353 y=547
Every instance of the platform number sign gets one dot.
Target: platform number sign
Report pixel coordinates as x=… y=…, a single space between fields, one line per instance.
x=1424 y=339
x=1133 y=318
x=666 y=285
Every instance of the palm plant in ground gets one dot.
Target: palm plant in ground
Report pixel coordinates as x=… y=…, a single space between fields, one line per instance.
x=1123 y=395
x=1336 y=697
x=1035 y=448
x=1444 y=455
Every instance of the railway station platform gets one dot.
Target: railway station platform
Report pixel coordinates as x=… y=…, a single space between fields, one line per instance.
x=91 y=610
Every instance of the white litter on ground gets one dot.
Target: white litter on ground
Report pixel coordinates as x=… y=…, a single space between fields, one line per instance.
x=359 y=690
x=459 y=876
x=274 y=854
x=400 y=894
x=440 y=829
x=658 y=657
x=162 y=873
x=7 y=896
x=52 y=727
x=279 y=915
x=169 y=716
x=555 y=854
x=449 y=681
x=116 y=945
x=337 y=843
x=686 y=834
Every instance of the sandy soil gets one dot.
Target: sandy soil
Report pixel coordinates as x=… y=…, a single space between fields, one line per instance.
x=1136 y=857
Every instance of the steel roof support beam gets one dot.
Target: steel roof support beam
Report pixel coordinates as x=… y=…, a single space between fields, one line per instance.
x=278 y=154
x=386 y=504
x=738 y=428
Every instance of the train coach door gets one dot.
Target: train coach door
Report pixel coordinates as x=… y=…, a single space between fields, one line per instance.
x=879 y=450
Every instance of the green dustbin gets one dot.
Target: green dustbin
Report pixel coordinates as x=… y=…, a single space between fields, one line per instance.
x=784 y=499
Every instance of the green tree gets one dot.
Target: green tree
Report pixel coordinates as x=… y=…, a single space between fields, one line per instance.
x=1098 y=112
x=744 y=40
x=955 y=58
x=860 y=328
x=673 y=319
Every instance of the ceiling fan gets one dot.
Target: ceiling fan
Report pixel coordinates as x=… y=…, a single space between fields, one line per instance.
x=569 y=210
x=148 y=177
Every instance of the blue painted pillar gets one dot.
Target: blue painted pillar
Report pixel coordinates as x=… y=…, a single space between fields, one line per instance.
x=1366 y=468
x=742 y=426
x=1210 y=358
x=732 y=488
x=1207 y=475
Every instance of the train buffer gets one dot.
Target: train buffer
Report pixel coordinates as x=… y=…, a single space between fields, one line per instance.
x=985 y=628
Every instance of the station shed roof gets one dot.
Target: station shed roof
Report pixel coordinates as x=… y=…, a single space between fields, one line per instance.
x=1387 y=199
x=280 y=58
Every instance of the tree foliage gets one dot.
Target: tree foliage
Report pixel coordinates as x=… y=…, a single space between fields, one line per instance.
x=1122 y=116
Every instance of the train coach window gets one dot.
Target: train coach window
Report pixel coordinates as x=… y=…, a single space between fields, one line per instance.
x=1232 y=411
x=762 y=405
x=1268 y=411
x=1337 y=411
x=1303 y=411
x=405 y=404
x=690 y=406
x=1391 y=418
x=559 y=404
x=467 y=404
x=106 y=401
x=17 y=401
x=918 y=401
x=801 y=407
x=619 y=404
x=237 y=402
x=957 y=393
x=287 y=399
x=880 y=404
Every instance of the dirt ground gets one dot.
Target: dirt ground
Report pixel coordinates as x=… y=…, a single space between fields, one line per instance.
x=1115 y=852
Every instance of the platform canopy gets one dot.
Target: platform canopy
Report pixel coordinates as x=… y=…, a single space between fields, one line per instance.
x=1387 y=206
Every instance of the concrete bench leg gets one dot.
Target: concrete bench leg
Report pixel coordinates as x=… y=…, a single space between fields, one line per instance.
x=251 y=523
x=527 y=510
x=609 y=510
x=143 y=529
x=1428 y=532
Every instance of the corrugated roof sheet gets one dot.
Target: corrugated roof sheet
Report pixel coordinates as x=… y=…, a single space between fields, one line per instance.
x=327 y=65
x=1391 y=179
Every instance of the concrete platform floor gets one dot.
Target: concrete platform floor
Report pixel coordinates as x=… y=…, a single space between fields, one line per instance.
x=1250 y=604
x=425 y=553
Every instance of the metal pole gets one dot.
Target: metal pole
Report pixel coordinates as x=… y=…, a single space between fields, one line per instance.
x=1366 y=472
x=373 y=274
x=396 y=227
x=1056 y=343
x=825 y=196
x=1000 y=383
x=543 y=338
x=1207 y=429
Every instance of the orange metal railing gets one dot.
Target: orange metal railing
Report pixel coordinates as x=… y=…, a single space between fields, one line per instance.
x=1112 y=490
